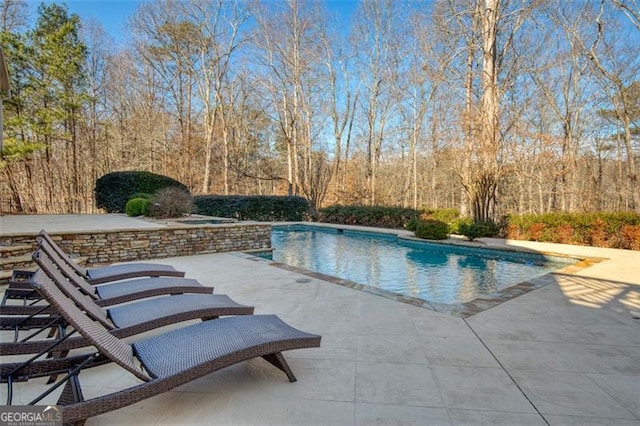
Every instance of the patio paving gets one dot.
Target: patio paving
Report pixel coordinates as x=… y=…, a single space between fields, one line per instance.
x=18 y=224
x=564 y=354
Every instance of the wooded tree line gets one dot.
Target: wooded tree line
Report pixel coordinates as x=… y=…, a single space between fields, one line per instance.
x=488 y=106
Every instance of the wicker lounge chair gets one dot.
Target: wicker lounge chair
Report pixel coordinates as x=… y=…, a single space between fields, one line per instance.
x=104 y=294
x=113 y=272
x=20 y=278
x=166 y=361
x=122 y=321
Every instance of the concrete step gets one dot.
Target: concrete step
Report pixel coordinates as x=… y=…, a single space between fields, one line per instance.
x=5 y=275
x=16 y=262
x=18 y=240
x=15 y=250
x=24 y=263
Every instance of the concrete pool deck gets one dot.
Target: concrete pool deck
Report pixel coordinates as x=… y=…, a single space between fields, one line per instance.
x=564 y=354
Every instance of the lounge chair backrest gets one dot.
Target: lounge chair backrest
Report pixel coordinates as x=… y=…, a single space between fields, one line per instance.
x=64 y=267
x=107 y=344
x=61 y=253
x=88 y=305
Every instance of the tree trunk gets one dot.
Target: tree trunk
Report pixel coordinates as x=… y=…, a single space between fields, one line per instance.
x=485 y=185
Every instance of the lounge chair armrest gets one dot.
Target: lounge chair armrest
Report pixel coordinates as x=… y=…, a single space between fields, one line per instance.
x=19 y=275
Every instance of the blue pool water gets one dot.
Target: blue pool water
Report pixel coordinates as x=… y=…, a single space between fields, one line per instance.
x=434 y=272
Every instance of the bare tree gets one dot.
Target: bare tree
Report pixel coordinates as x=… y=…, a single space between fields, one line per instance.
x=617 y=69
x=342 y=100
x=427 y=60
x=191 y=44
x=375 y=33
x=13 y=15
x=631 y=8
x=288 y=42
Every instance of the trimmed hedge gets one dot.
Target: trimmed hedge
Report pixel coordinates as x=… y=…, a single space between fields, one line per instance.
x=473 y=230
x=432 y=230
x=253 y=207
x=443 y=215
x=113 y=190
x=141 y=195
x=137 y=207
x=384 y=217
x=615 y=230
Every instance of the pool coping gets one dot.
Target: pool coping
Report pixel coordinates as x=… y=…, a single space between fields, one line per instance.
x=462 y=310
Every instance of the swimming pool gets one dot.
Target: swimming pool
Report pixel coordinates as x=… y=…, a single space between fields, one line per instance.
x=429 y=271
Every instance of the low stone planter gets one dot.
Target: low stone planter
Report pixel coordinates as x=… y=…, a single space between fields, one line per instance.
x=123 y=245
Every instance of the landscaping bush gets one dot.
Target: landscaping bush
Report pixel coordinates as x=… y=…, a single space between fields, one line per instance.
x=253 y=207
x=630 y=237
x=457 y=224
x=113 y=190
x=141 y=195
x=601 y=229
x=473 y=230
x=432 y=230
x=444 y=215
x=449 y=216
x=565 y=233
x=137 y=207
x=412 y=224
x=170 y=202
x=385 y=217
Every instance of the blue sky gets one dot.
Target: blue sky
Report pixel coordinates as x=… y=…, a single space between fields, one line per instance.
x=113 y=14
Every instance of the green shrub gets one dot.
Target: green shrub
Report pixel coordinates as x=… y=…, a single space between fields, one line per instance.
x=380 y=216
x=170 y=202
x=412 y=224
x=253 y=207
x=432 y=230
x=141 y=195
x=113 y=190
x=137 y=207
x=457 y=224
x=444 y=215
x=475 y=230
x=449 y=216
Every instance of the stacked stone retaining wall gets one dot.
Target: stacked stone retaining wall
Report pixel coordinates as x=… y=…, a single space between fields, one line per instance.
x=99 y=247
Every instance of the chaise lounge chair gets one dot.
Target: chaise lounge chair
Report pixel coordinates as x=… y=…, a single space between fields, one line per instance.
x=104 y=294
x=166 y=361
x=122 y=321
x=113 y=272
x=20 y=279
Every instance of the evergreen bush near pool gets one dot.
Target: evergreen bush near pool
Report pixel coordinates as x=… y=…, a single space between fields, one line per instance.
x=456 y=225
x=253 y=207
x=381 y=216
x=412 y=224
x=113 y=190
x=137 y=207
x=432 y=230
x=473 y=230
x=141 y=195
x=444 y=215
